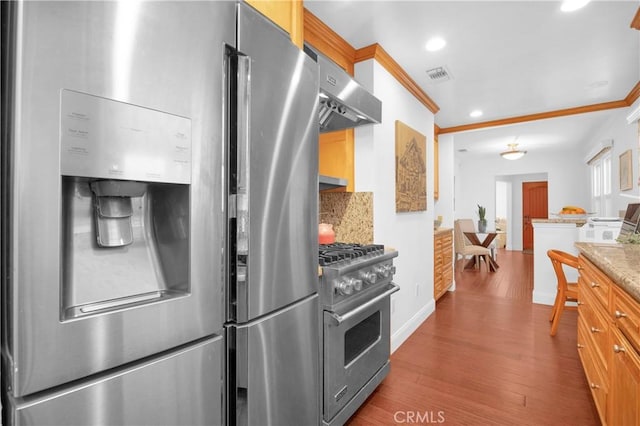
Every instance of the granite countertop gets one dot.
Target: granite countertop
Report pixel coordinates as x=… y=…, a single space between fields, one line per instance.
x=621 y=263
x=441 y=230
x=578 y=222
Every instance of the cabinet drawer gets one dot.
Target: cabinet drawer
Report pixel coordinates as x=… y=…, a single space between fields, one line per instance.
x=437 y=241
x=624 y=388
x=594 y=317
x=593 y=370
x=447 y=274
x=626 y=313
x=596 y=282
x=438 y=282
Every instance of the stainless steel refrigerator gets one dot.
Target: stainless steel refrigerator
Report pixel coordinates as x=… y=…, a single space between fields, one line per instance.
x=272 y=324
x=159 y=175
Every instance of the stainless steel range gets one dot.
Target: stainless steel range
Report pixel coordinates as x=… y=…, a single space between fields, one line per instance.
x=356 y=287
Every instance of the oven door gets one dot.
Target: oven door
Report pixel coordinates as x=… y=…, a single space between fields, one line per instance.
x=356 y=346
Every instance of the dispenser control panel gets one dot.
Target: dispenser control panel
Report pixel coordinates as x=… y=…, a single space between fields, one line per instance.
x=104 y=138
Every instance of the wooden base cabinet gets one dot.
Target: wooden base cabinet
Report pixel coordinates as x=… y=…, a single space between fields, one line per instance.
x=593 y=332
x=624 y=392
x=442 y=262
x=595 y=371
x=624 y=344
x=608 y=345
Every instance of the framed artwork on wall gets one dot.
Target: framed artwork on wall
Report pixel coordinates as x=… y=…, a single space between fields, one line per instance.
x=411 y=169
x=626 y=171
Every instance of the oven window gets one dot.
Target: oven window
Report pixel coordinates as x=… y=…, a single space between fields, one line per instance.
x=360 y=337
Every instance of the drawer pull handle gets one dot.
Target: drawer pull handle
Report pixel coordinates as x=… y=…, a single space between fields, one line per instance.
x=594 y=284
x=617 y=349
x=580 y=346
x=595 y=330
x=620 y=314
x=594 y=386
x=580 y=303
x=580 y=267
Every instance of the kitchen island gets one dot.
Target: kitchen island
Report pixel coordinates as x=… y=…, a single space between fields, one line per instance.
x=558 y=234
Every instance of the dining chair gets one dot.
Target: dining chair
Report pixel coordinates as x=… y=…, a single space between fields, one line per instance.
x=467 y=225
x=567 y=291
x=464 y=248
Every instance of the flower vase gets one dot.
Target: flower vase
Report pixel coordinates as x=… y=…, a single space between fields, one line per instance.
x=482 y=226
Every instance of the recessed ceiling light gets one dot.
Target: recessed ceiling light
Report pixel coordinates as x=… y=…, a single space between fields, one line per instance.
x=475 y=113
x=571 y=5
x=435 y=43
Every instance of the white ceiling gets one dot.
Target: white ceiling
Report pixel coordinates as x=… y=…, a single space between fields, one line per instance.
x=507 y=58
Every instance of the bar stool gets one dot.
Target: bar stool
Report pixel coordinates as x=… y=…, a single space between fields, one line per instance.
x=567 y=292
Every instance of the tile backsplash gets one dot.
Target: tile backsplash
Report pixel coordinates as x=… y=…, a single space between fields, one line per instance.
x=350 y=213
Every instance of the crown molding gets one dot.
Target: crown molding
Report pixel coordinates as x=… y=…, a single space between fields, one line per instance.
x=635 y=23
x=538 y=116
x=375 y=51
x=633 y=95
x=328 y=42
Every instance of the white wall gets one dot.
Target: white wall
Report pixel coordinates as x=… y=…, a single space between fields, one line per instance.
x=514 y=217
x=444 y=205
x=476 y=177
x=503 y=208
x=567 y=175
x=464 y=183
x=624 y=136
x=410 y=233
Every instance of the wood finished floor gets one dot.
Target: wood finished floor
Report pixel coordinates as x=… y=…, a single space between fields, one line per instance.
x=485 y=357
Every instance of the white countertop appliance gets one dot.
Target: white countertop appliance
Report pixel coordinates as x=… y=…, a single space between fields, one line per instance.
x=600 y=230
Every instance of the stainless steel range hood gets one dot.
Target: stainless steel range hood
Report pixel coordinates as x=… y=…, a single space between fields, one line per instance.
x=344 y=103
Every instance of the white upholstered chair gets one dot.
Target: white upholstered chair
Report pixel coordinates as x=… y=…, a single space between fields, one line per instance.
x=467 y=225
x=464 y=248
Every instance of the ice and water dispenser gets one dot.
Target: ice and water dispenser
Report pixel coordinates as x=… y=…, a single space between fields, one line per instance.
x=125 y=200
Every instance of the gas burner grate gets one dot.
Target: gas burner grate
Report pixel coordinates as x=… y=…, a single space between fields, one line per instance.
x=340 y=252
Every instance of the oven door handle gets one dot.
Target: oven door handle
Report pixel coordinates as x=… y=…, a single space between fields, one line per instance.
x=342 y=318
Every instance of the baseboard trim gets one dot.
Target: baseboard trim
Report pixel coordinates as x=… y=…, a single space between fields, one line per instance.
x=544 y=298
x=407 y=329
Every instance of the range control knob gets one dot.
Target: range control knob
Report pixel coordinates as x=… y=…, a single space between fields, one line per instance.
x=344 y=287
x=348 y=285
x=357 y=284
x=368 y=277
x=383 y=270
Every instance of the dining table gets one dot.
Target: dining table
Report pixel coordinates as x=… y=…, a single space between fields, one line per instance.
x=487 y=239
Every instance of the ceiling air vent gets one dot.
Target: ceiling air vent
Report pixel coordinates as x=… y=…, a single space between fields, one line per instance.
x=439 y=74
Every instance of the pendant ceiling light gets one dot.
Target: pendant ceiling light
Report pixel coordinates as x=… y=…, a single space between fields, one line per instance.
x=513 y=153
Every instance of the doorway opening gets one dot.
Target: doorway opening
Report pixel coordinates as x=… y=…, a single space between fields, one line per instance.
x=509 y=207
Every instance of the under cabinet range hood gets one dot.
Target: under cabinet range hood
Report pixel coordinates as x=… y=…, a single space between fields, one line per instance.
x=344 y=103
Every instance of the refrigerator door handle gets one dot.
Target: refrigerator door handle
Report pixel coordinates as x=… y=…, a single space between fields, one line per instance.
x=242 y=187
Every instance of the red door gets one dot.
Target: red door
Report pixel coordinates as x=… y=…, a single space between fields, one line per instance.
x=534 y=206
